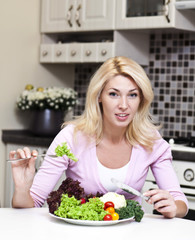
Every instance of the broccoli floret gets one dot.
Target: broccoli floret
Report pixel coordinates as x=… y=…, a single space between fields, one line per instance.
x=133 y=208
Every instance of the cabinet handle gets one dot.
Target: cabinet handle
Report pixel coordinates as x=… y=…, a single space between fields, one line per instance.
x=167 y=10
x=77 y=15
x=73 y=53
x=44 y=53
x=58 y=53
x=69 y=15
x=88 y=52
x=103 y=52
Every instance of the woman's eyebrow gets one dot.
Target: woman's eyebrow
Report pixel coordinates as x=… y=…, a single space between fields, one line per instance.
x=132 y=90
x=117 y=90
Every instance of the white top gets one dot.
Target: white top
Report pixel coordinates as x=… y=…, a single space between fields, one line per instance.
x=106 y=174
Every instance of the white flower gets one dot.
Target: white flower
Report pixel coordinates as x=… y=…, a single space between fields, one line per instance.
x=51 y=98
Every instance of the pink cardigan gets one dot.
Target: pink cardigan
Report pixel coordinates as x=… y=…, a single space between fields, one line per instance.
x=85 y=170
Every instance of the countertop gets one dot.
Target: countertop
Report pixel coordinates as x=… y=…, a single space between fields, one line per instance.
x=25 y=137
x=36 y=223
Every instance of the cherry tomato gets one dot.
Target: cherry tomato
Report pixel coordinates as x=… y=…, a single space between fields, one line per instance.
x=108 y=204
x=115 y=216
x=110 y=210
x=107 y=217
x=83 y=200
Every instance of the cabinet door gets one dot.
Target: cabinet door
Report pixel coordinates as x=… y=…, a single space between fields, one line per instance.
x=77 y=15
x=57 y=15
x=95 y=15
x=130 y=14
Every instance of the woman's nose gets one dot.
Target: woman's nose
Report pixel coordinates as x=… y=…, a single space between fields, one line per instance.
x=123 y=103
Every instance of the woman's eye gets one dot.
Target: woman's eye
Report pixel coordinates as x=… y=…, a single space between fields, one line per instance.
x=113 y=94
x=133 y=95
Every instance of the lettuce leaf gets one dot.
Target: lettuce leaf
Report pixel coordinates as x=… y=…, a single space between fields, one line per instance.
x=70 y=207
x=64 y=150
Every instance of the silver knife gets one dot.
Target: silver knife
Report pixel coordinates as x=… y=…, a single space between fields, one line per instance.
x=128 y=189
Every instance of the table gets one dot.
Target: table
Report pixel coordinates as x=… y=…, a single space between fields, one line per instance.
x=36 y=223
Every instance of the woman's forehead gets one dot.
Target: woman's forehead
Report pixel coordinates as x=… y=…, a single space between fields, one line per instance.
x=120 y=82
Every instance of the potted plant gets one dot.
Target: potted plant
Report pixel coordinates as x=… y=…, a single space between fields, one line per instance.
x=48 y=105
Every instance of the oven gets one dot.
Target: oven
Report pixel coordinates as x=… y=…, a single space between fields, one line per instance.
x=184 y=165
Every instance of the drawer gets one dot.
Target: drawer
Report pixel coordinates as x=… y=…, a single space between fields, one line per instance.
x=74 y=52
x=105 y=51
x=46 y=53
x=60 y=52
x=89 y=52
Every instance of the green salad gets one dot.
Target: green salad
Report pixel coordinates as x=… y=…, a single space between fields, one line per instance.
x=70 y=201
x=63 y=149
x=70 y=207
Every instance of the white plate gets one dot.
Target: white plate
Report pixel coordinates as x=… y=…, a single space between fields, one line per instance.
x=92 y=223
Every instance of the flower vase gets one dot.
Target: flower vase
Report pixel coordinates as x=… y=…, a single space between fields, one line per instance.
x=46 y=123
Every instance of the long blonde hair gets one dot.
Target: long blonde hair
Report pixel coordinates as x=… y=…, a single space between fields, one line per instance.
x=142 y=128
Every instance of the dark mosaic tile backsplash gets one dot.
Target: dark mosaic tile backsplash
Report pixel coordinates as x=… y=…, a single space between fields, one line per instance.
x=172 y=74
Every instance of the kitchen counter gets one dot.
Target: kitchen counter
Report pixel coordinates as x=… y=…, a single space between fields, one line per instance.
x=25 y=137
x=36 y=223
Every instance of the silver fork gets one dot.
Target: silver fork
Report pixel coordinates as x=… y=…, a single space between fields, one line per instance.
x=39 y=155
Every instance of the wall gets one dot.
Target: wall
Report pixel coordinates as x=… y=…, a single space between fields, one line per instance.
x=172 y=73
x=19 y=64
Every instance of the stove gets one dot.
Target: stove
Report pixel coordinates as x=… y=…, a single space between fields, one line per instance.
x=183 y=151
x=180 y=141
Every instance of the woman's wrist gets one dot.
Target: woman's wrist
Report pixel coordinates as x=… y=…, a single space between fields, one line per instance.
x=22 y=199
x=182 y=208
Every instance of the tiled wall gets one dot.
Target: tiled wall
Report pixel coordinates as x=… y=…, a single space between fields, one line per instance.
x=172 y=74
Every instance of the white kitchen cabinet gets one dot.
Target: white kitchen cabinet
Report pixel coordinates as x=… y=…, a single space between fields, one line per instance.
x=152 y=14
x=124 y=45
x=129 y=44
x=76 y=52
x=9 y=185
x=77 y=15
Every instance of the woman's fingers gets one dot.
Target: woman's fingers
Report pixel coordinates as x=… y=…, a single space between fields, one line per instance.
x=27 y=152
x=23 y=153
x=156 y=195
x=12 y=154
x=163 y=202
x=34 y=153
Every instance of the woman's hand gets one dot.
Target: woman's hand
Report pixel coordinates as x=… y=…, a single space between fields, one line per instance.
x=23 y=174
x=23 y=171
x=163 y=202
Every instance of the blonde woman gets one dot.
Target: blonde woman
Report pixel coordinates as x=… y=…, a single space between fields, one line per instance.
x=114 y=137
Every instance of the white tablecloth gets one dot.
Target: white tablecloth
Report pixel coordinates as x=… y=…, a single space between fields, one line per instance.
x=36 y=223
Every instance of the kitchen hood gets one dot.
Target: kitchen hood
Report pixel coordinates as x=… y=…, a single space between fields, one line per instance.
x=181 y=5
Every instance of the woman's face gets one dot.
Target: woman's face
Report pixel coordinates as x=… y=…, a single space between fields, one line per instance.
x=120 y=100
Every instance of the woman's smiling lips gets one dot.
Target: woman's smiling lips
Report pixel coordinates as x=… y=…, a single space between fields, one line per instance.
x=122 y=116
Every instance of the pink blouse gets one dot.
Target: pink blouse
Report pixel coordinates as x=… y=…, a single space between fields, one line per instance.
x=85 y=170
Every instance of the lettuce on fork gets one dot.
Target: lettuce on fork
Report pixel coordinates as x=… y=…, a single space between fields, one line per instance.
x=64 y=150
